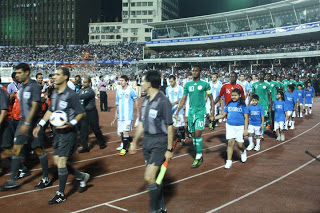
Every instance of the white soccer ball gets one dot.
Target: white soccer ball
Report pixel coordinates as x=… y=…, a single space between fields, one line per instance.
x=58 y=118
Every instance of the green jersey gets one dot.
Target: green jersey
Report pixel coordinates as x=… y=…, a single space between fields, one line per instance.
x=262 y=89
x=286 y=83
x=273 y=87
x=280 y=85
x=297 y=83
x=197 y=91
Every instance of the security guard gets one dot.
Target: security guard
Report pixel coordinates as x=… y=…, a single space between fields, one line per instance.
x=88 y=101
x=157 y=126
x=65 y=137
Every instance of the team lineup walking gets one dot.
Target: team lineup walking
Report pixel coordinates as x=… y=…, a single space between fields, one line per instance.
x=159 y=119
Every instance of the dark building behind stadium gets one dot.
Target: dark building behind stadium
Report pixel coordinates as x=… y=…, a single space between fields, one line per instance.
x=47 y=22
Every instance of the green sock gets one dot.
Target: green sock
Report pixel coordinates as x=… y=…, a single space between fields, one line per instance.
x=267 y=120
x=199 y=145
x=194 y=143
x=264 y=128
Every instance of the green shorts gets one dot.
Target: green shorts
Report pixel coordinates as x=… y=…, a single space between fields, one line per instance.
x=196 y=122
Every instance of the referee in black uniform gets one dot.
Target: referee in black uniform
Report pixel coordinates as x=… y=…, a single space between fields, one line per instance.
x=88 y=101
x=65 y=137
x=157 y=126
x=4 y=126
x=29 y=96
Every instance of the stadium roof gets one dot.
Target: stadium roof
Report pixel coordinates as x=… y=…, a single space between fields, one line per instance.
x=278 y=6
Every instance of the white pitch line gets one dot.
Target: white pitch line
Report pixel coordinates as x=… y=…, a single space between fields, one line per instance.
x=105 y=156
x=30 y=191
x=117 y=207
x=193 y=176
x=107 y=144
x=260 y=188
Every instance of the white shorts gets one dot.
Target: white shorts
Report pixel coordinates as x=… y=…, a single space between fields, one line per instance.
x=254 y=129
x=291 y=113
x=235 y=132
x=124 y=126
x=179 y=121
x=308 y=105
x=278 y=125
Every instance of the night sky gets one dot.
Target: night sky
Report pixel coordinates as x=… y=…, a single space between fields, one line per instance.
x=188 y=8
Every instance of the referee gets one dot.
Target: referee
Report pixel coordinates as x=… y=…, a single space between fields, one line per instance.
x=157 y=126
x=29 y=96
x=65 y=137
x=88 y=101
x=4 y=105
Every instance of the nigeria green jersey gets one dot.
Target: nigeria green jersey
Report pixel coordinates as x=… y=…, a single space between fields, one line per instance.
x=297 y=83
x=273 y=87
x=286 y=83
x=262 y=89
x=197 y=91
x=280 y=85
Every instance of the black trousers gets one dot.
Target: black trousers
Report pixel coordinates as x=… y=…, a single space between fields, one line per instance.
x=91 y=120
x=103 y=101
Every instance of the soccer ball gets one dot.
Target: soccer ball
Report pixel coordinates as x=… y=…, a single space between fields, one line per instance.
x=58 y=118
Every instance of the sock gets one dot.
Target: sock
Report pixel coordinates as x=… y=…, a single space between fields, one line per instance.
x=125 y=141
x=194 y=142
x=182 y=132
x=290 y=123
x=310 y=110
x=198 y=147
x=44 y=165
x=63 y=175
x=258 y=142
x=15 y=166
x=286 y=125
x=250 y=140
x=154 y=193
x=161 y=202
x=264 y=128
x=78 y=175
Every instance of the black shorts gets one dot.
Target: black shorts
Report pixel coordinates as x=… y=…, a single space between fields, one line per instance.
x=64 y=142
x=28 y=137
x=8 y=134
x=154 y=147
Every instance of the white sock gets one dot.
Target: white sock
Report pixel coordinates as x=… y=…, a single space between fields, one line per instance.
x=292 y=123
x=198 y=156
x=250 y=140
x=258 y=142
x=286 y=125
x=310 y=111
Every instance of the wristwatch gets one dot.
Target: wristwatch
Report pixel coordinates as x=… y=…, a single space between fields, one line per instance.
x=170 y=150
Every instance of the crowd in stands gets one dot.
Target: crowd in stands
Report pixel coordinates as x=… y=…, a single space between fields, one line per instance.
x=233 y=51
x=243 y=27
x=122 y=51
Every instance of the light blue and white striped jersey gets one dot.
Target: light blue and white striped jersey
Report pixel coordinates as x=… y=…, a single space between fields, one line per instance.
x=245 y=85
x=175 y=94
x=215 y=89
x=124 y=101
